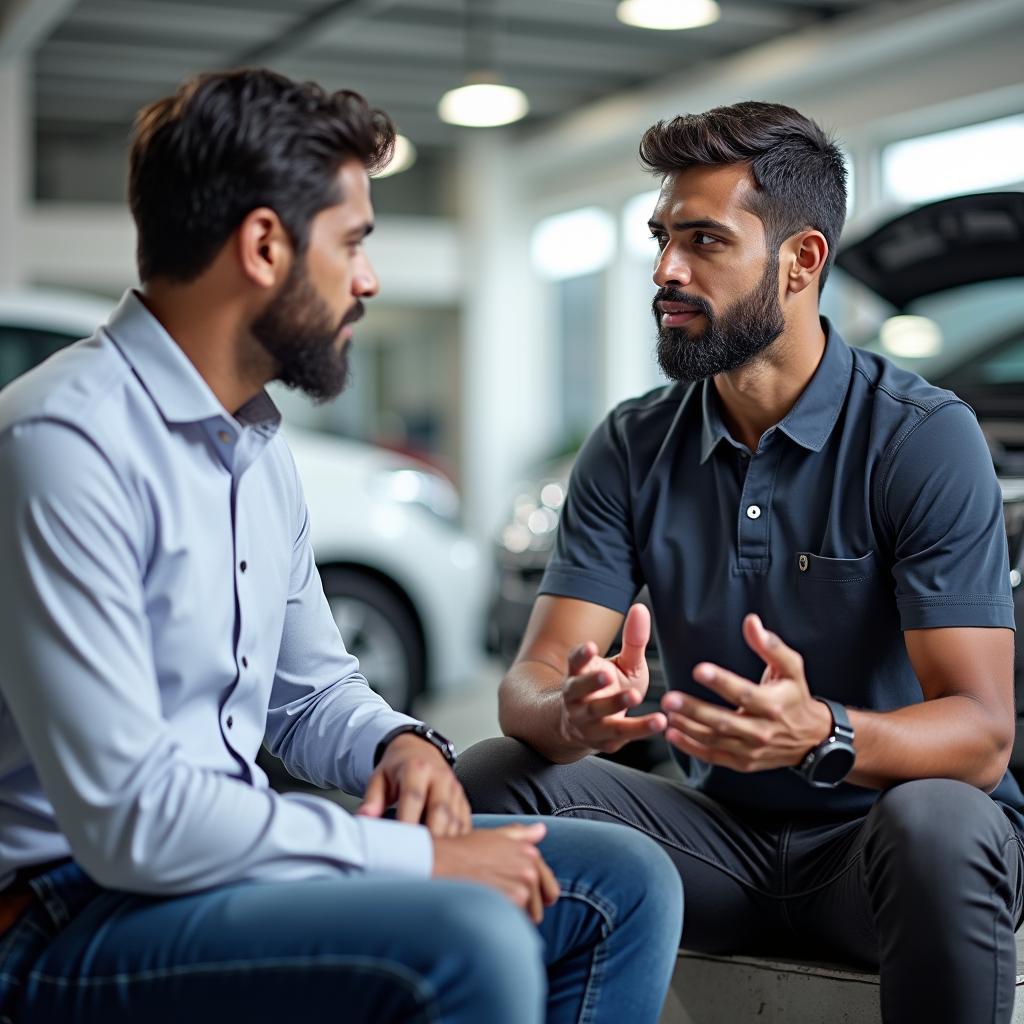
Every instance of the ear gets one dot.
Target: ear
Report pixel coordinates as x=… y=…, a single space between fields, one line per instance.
x=803 y=257
x=264 y=248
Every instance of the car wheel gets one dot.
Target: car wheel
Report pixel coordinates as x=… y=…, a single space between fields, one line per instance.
x=380 y=629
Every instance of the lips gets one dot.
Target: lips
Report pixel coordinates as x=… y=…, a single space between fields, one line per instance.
x=677 y=314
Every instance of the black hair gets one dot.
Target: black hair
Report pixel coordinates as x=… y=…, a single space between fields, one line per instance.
x=798 y=170
x=229 y=142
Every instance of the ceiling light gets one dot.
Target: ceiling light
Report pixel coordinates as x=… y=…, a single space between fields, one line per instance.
x=668 y=15
x=483 y=103
x=912 y=337
x=403 y=157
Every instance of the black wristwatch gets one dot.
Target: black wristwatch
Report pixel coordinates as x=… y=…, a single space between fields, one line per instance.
x=432 y=736
x=827 y=764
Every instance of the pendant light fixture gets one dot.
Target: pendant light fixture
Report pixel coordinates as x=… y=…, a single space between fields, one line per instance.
x=668 y=15
x=402 y=158
x=483 y=100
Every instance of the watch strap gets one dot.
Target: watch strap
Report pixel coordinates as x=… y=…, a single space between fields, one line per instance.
x=842 y=729
x=443 y=745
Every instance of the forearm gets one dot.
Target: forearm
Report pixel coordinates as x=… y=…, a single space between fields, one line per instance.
x=530 y=709
x=954 y=737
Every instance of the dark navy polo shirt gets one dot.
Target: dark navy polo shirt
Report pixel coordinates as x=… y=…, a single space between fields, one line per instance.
x=871 y=508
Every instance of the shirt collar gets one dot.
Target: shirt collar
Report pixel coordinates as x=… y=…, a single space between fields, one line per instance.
x=174 y=384
x=815 y=412
x=811 y=420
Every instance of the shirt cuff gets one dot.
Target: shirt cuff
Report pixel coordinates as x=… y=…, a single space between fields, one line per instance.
x=396 y=847
x=942 y=610
x=373 y=732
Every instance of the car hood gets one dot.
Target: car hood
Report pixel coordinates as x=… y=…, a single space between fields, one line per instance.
x=941 y=245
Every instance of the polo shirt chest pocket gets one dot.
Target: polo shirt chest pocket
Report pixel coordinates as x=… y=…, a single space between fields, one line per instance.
x=839 y=590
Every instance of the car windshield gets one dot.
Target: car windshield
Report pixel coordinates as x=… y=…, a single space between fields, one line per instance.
x=973 y=334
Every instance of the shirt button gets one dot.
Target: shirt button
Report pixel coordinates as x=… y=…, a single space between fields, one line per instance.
x=803 y=562
x=230 y=722
x=224 y=437
x=245 y=661
x=753 y=511
x=243 y=565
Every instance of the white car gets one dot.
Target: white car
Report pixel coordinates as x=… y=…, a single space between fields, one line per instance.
x=407 y=587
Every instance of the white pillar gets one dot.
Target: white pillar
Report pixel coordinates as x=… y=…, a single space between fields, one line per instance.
x=15 y=166
x=506 y=384
x=630 y=367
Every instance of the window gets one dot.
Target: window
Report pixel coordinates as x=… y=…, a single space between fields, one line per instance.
x=971 y=159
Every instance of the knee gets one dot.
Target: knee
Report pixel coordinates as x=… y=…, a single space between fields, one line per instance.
x=930 y=831
x=624 y=870
x=492 y=946
x=495 y=774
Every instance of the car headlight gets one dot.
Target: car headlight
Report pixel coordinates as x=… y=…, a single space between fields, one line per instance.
x=430 y=491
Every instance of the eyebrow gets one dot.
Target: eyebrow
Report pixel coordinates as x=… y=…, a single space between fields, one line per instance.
x=361 y=231
x=687 y=225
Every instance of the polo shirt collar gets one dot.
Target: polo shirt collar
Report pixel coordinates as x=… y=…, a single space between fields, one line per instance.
x=809 y=423
x=176 y=387
x=812 y=418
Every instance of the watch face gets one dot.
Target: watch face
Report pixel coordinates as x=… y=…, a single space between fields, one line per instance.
x=833 y=765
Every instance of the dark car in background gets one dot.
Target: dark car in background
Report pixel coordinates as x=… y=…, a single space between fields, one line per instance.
x=939 y=290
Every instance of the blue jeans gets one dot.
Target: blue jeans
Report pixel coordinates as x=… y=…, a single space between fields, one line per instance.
x=359 y=948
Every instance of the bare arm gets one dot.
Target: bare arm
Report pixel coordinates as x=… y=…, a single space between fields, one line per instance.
x=561 y=696
x=963 y=729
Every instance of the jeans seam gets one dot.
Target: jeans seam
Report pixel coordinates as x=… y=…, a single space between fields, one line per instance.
x=606 y=912
x=392 y=970
x=51 y=900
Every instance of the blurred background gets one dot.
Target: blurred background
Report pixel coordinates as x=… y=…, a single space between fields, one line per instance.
x=514 y=258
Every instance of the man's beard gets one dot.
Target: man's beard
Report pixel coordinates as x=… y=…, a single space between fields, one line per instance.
x=300 y=333
x=741 y=332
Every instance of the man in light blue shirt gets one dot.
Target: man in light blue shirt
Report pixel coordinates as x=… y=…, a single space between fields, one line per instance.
x=161 y=615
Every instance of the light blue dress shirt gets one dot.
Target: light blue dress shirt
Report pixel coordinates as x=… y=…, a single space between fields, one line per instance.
x=160 y=611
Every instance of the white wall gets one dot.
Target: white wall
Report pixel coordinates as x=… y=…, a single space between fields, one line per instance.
x=15 y=161
x=92 y=246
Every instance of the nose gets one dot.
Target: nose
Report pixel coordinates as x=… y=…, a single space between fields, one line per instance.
x=365 y=283
x=671 y=268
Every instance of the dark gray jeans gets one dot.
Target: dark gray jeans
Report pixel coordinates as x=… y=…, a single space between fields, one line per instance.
x=927 y=887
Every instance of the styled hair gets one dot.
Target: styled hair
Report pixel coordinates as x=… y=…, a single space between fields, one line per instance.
x=798 y=170
x=227 y=143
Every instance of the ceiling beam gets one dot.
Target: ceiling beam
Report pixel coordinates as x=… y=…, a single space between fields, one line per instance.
x=305 y=29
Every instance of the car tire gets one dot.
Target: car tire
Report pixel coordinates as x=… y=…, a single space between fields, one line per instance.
x=380 y=628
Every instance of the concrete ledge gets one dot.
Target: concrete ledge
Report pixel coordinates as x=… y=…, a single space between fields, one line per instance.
x=734 y=989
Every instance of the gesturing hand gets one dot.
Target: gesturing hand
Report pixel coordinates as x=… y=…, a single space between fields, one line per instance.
x=413 y=772
x=599 y=691
x=505 y=858
x=770 y=725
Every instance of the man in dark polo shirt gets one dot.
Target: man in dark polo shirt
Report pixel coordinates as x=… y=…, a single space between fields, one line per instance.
x=822 y=538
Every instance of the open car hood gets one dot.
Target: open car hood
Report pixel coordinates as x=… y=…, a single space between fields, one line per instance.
x=941 y=245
